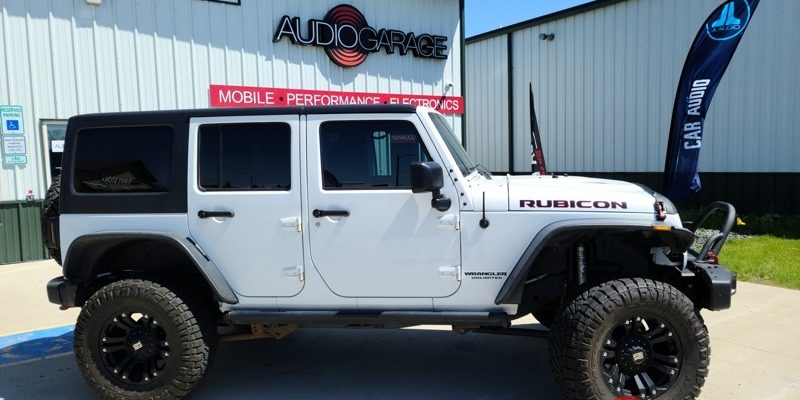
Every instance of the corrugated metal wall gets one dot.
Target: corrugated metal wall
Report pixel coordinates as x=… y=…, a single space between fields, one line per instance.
x=487 y=115
x=605 y=89
x=65 y=57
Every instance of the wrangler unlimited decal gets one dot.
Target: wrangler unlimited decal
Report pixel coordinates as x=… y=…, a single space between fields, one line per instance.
x=572 y=204
x=486 y=274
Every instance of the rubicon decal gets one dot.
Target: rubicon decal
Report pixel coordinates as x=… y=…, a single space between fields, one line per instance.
x=348 y=38
x=594 y=204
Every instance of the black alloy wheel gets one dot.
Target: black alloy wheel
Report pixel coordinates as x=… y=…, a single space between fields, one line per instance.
x=630 y=338
x=641 y=356
x=134 y=348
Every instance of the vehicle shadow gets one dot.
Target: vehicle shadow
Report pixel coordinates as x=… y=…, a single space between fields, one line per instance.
x=331 y=364
x=385 y=364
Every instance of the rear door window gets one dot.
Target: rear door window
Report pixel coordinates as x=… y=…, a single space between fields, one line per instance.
x=247 y=156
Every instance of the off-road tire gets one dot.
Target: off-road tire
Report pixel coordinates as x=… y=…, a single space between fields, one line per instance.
x=578 y=336
x=190 y=340
x=50 y=213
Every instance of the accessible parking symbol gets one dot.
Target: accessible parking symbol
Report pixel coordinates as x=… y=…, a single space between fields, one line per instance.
x=11 y=118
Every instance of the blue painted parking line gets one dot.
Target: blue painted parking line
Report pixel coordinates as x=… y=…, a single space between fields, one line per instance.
x=38 y=344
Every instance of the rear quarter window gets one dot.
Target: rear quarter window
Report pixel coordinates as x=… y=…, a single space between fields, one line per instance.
x=123 y=160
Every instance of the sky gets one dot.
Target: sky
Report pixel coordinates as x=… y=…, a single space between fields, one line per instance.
x=486 y=15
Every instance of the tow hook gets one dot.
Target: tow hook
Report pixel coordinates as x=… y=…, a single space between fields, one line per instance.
x=712 y=258
x=661 y=212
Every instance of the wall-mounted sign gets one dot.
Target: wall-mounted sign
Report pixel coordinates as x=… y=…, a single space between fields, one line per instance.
x=11 y=120
x=15 y=160
x=14 y=150
x=348 y=38
x=13 y=145
x=249 y=96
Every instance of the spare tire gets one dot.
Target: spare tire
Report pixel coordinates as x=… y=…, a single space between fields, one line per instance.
x=50 y=213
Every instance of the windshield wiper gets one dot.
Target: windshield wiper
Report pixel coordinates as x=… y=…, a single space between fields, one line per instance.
x=481 y=170
x=485 y=171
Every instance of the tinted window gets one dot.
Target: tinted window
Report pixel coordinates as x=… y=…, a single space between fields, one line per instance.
x=369 y=154
x=120 y=160
x=245 y=156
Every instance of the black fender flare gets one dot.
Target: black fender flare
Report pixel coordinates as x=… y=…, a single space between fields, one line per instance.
x=678 y=239
x=88 y=249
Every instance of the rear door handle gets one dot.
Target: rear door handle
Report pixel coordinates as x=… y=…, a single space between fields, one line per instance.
x=213 y=214
x=330 y=213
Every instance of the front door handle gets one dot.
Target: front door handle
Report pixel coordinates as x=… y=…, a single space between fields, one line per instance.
x=330 y=213
x=213 y=214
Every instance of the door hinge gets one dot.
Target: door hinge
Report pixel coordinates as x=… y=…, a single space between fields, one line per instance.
x=450 y=220
x=295 y=272
x=450 y=272
x=292 y=222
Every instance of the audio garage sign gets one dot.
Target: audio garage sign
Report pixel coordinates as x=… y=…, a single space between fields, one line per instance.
x=249 y=96
x=348 y=38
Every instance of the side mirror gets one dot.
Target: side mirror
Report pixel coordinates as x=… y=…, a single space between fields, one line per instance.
x=428 y=177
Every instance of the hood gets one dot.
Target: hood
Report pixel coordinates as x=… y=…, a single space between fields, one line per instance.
x=575 y=193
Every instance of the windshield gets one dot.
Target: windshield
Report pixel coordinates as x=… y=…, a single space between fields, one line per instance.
x=465 y=164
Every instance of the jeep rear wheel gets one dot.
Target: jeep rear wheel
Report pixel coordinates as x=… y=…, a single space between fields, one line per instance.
x=630 y=337
x=136 y=339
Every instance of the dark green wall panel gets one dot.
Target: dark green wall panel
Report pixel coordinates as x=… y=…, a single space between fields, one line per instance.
x=10 y=250
x=21 y=232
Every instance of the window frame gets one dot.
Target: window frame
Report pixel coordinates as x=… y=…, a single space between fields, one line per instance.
x=44 y=123
x=199 y=152
x=322 y=124
x=448 y=137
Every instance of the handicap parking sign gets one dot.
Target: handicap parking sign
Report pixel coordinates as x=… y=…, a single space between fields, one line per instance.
x=11 y=120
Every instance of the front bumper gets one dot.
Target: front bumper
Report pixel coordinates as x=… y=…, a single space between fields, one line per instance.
x=715 y=283
x=63 y=292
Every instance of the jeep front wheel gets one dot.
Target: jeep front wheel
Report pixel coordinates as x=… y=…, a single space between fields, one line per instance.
x=135 y=339
x=630 y=337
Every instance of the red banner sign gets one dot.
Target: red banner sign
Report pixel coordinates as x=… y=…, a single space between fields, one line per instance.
x=250 y=96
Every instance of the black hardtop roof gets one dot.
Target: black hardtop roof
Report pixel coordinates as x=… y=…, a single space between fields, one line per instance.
x=161 y=115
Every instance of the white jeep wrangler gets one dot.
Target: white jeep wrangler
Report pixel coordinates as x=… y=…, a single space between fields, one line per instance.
x=174 y=224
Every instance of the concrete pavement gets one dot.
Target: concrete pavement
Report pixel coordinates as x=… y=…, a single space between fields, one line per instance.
x=754 y=355
x=24 y=306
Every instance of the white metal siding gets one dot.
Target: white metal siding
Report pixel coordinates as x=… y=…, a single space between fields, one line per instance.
x=487 y=119
x=605 y=88
x=65 y=57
